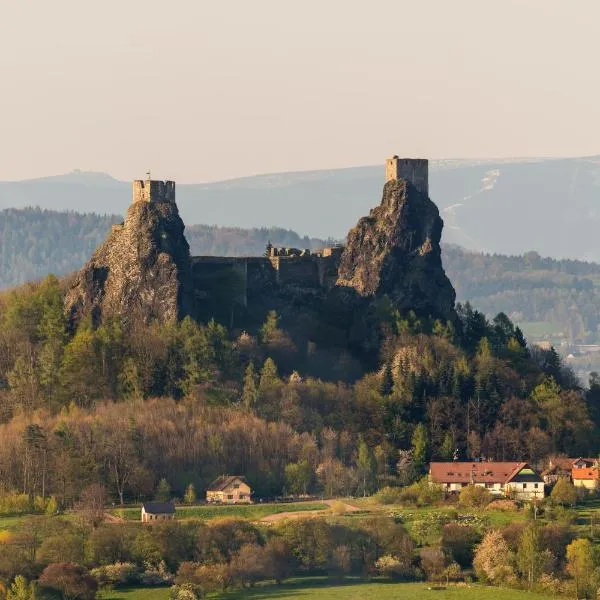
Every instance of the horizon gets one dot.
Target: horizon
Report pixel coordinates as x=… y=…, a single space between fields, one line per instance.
x=432 y=161
x=210 y=92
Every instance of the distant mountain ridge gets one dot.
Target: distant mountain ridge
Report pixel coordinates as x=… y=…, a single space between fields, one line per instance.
x=506 y=206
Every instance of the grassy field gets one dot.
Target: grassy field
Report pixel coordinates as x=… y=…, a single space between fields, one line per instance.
x=322 y=590
x=10 y=522
x=252 y=512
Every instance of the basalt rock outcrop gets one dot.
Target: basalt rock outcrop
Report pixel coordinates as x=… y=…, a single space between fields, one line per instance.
x=142 y=270
x=395 y=251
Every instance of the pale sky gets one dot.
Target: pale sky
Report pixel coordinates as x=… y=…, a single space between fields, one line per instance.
x=202 y=90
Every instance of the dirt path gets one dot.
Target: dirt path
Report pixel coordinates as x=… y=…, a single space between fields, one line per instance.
x=303 y=514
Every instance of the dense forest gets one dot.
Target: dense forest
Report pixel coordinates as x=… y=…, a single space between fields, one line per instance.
x=552 y=299
x=195 y=400
x=561 y=297
x=94 y=416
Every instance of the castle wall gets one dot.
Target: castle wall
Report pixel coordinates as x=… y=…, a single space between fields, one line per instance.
x=414 y=170
x=153 y=191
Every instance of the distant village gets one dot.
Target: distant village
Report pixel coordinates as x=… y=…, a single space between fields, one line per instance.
x=514 y=480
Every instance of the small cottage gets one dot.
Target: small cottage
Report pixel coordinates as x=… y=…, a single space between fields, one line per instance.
x=229 y=489
x=514 y=479
x=157 y=511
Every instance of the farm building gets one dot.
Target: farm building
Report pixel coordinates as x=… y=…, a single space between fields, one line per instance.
x=515 y=479
x=157 y=511
x=229 y=489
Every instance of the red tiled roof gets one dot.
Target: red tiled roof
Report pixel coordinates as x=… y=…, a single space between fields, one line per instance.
x=478 y=472
x=585 y=473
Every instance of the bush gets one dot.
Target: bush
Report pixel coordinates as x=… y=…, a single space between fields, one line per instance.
x=185 y=591
x=388 y=495
x=474 y=496
x=459 y=541
x=564 y=492
x=504 y=505
x=391 y=566
x=72 y=582
x=116 y=574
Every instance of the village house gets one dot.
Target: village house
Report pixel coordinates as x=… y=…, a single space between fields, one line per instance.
x=157 y=511
x=559 y=467
x=584 y=473
x=229 y=489
x=512 y=479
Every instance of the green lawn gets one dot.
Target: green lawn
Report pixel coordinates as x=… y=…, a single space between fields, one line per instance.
x=252 y=512
x=157 y=593
x=10 y=522
x=322 y=590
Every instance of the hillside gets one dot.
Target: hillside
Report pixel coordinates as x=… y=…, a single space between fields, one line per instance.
x=549 y=299
x=507 y=206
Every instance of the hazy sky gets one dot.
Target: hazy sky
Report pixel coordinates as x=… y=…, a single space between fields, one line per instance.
x=200 y=90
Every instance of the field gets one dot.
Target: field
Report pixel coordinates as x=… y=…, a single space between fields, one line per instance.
x=253 y=512
x=320 y=589
x=10 y=522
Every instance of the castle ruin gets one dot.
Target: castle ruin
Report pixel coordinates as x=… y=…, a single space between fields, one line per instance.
x=414 y=170
x=144 y=267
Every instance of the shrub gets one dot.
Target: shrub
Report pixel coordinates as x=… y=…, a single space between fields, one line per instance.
x=459 y=541
x=116 y=574
x=72 y=582
x=564 y=492
x=433 y=562
x=388 y=495
x=503 y=504
x=185 y=591
x=391 y=566
x=474 y=496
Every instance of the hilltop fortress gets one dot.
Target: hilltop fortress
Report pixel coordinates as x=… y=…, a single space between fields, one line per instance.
x=144 y=268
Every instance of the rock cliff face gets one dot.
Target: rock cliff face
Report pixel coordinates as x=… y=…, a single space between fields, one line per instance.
x=396 y=251
x=141 y=270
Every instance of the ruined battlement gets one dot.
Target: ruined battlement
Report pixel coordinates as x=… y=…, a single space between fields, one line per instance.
x=414 y=170
x=149 y=190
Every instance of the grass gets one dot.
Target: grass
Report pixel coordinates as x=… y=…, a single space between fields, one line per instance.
x=252 y=512
x=323 y=589
x=142 y=593
x=11 y=522
x=496 y=518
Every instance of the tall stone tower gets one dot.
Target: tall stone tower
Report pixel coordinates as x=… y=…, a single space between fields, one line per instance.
x=414 y=170
x=149 y=190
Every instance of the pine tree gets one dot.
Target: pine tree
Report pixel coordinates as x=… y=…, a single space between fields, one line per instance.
x=268 y=375
x=367 y=467
x=163 y=491
x=250 y=393
x=419 y=446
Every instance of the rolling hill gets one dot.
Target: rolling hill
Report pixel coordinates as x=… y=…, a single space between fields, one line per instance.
x=508 y=206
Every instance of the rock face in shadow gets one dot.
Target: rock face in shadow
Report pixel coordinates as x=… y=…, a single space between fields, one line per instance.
x=142 y=270
x=395 y=251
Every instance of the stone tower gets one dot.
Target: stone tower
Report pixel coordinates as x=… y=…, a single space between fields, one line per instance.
x=149 y=190
x=414 y=170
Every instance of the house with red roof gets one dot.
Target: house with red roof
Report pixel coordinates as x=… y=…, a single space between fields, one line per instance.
x=512 y=479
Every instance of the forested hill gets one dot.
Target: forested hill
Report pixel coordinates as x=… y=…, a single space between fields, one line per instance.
x=35 y=242
x=549 y=298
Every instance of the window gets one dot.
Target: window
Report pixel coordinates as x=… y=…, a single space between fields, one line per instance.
x=535 y=485
x=524 y=486
x=236 y=486
x=229 y=496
